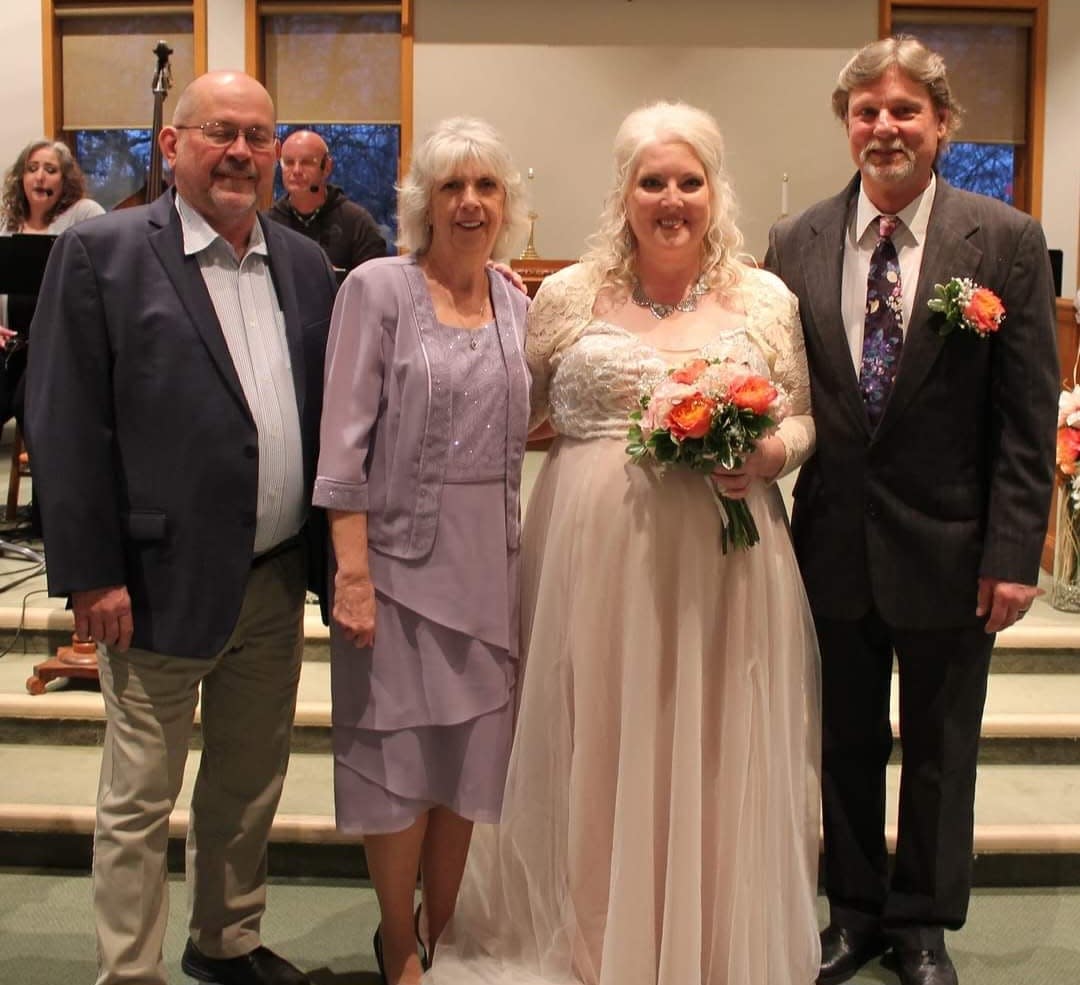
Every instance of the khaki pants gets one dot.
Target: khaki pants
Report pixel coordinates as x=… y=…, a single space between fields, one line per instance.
x=248 y=702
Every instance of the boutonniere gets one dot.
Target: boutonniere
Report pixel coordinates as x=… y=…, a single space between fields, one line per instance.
x=968 y=306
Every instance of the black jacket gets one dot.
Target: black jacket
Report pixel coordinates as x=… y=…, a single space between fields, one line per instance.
x=346 y=231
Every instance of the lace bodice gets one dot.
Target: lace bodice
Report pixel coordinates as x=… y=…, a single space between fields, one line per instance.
x=588 y=375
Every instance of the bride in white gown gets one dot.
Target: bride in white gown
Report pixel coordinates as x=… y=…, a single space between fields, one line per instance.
x=660 y=819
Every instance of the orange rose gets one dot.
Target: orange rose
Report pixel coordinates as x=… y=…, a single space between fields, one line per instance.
x=691 y=417
x=984 y=311
x=754 y=393
x=1068 y=450
x=691 y=371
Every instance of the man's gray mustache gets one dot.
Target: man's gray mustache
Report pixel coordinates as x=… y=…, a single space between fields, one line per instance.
x=877 y=145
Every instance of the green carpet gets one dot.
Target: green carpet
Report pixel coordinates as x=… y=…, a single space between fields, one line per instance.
x=1027 y=936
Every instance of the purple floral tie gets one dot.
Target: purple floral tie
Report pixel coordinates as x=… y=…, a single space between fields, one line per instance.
x=883 y=336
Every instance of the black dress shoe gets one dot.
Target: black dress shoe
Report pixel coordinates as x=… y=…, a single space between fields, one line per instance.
x=844 y=951
x=425 y=958
x=927 y=967
x=376 y=946
x=259 y=967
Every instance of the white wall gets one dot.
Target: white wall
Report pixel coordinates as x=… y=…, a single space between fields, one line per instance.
x=1061 y=161
x=224 y=34
x=557 y=76
x=21 y=94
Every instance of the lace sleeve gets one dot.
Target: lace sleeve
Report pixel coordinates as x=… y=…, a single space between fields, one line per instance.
x=561 y=309
x=773 y=313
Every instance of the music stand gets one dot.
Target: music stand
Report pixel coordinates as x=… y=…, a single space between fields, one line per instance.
x=22 y=267
x=22 y=262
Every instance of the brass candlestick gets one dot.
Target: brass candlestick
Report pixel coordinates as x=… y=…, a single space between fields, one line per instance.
x=529 y=253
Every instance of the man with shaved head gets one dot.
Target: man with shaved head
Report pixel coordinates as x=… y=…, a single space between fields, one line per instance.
x=174 y=399
x=319 y=210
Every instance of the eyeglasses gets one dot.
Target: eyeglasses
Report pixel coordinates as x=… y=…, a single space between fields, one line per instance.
x=224 y=134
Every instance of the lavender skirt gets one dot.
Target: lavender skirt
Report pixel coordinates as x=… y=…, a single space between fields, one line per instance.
x=424 y=716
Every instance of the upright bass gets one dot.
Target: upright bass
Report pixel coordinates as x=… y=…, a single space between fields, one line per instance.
x=162 y=83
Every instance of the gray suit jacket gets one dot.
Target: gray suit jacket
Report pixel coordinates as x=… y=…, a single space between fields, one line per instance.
x=955 y=483
x=145 y=452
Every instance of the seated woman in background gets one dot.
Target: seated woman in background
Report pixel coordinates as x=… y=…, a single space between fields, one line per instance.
x=423 y=434
x=44 y=192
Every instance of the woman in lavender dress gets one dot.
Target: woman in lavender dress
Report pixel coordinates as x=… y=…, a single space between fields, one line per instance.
x=423 y=432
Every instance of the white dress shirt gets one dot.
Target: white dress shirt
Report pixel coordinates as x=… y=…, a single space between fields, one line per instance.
x=909 y=238
x=243 y=295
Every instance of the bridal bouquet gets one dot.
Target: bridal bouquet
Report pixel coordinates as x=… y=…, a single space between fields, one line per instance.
x=706 y=415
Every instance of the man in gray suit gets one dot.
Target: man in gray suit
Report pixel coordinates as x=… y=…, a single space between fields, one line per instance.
x=920 y=519
x=174 y=398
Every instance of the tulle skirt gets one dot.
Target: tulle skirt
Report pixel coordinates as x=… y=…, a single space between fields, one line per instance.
x=660 y=816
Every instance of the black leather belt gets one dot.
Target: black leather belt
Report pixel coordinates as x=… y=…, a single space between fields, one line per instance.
x=277 y=550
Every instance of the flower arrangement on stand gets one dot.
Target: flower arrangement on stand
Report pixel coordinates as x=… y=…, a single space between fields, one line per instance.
x=706 y=415
x=1066 y=594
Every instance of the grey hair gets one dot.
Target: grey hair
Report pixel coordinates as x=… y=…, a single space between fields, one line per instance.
x=916 y=61
x=450 y=144
x=613 y=246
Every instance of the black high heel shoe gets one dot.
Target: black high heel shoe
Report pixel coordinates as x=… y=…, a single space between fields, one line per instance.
x=376 y=946
x=425 y=960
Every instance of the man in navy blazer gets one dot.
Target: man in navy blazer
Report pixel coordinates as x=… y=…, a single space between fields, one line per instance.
x=918 y=535
x=174 y=396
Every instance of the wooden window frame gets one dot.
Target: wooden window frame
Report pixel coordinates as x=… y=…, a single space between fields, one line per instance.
x=255 y=56
x=1028 y=186
x=52 y=36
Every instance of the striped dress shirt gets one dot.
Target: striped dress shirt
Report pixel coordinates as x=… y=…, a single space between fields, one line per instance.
x=243 y=295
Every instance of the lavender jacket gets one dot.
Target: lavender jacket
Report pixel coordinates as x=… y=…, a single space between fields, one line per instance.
x=385 y=430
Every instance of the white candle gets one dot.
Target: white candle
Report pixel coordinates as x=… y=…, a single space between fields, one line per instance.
x=784 y=196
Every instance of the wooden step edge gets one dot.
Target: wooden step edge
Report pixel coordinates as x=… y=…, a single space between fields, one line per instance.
x=1030 y=636
x=1018 y=839
x=320 y=829
x=79 y=819
x=37 y=619
x=55 y=618
x=1021 y=636
x=1031 y=725
x=1023 y=725
x=89 y=707
x=83 y=706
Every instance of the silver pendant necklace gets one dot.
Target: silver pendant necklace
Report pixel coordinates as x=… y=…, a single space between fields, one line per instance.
x=659 y=309
x=474 y=333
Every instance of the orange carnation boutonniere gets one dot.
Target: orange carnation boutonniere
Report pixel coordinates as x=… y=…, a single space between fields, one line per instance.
x=968 y=306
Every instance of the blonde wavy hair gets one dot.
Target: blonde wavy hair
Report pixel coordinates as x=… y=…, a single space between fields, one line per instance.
x=613 y=247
